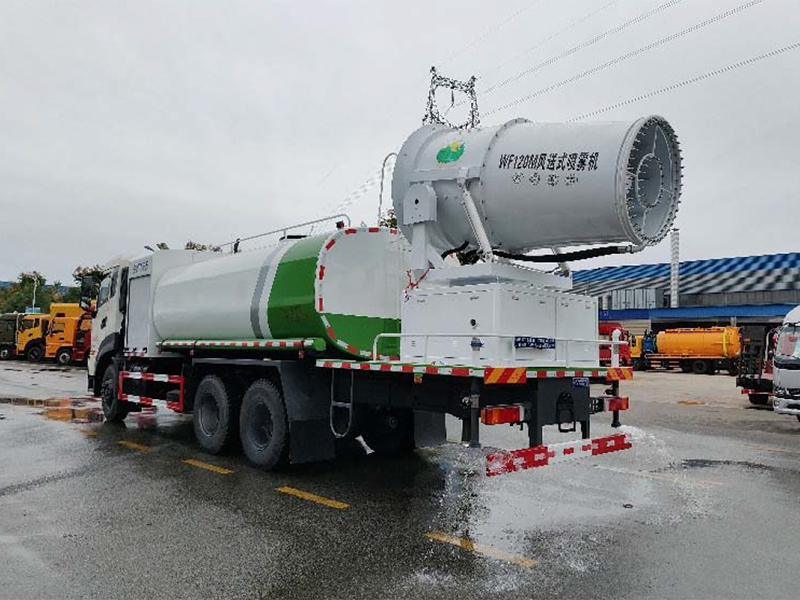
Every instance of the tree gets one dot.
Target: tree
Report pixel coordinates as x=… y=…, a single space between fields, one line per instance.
x=19 y=295
x=389 y=219
x=190 y=245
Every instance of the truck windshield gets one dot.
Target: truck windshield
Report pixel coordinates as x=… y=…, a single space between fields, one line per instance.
x=787 y=349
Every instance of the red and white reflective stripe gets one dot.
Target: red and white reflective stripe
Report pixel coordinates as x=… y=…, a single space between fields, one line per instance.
x=539 y=456
x=288 y=343
x=146 y=401
x=151 y=376
x=452 y=371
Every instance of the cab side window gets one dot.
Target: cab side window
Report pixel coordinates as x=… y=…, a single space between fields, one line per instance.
x=104 y=293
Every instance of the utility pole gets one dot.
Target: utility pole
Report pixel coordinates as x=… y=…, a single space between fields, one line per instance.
x=35 y=281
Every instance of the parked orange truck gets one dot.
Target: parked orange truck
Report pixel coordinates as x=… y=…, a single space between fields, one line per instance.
x=700 y=350
x=62 y=334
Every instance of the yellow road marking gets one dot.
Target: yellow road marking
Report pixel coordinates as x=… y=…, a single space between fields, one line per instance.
x=133 y=445
x=89 y=431
x=312 y=497
x=208 y=466
x=468 y=544
x=690 y=402
x=771 y=449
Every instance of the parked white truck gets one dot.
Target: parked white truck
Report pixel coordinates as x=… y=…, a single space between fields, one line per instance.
x=786 y=361
x=369 y=331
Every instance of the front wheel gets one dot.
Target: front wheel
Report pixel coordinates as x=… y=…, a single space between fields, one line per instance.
x=264 y=426
x=64 y=357
x=35 y=353
x=114 y=409
x=758 y=399
x=5 y=353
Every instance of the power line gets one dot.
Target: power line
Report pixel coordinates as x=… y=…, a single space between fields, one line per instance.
x=488 y=33
x=625 y=57
x=685 y=82
x=550 y=38
x=586 y=44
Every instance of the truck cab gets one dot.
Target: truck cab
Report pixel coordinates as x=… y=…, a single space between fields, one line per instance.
x=106 y=340
x=9 y=327
x=786 y=372
x=31 y=336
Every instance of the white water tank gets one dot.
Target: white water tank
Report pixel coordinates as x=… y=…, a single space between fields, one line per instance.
x=542 y=185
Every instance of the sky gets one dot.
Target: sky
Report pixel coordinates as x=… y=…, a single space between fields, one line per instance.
x=124 y=124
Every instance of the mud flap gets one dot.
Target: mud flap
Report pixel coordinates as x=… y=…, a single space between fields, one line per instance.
x=429 y=429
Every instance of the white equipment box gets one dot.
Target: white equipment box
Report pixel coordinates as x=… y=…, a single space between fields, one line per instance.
x=499 y=324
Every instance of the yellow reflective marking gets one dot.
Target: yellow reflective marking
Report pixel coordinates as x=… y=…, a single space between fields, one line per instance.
x=89 y=431
x=133 y=445
x=468 y=544
x=207 y=466
x=312 y=497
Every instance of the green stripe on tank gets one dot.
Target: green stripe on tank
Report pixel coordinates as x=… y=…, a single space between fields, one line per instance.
x=361 y=332
x=290 y=309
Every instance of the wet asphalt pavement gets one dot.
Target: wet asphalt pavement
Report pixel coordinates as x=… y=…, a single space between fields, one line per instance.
x=705 y=505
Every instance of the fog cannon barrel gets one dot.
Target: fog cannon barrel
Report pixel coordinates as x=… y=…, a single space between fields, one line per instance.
x=542 y=185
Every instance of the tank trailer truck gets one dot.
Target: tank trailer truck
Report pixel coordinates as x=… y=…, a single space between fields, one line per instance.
x=369 y=331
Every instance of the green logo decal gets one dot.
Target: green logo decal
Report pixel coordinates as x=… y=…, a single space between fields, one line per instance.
x=451 y=152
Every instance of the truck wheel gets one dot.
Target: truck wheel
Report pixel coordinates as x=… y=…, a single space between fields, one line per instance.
x=64 y=357
x=263 y=425
x=700 y=367
x=34 y=353
x=389 y=433
x=216 y=414
x=5 y=353
x=114 y=409
x=758 y=399
x=686 y=366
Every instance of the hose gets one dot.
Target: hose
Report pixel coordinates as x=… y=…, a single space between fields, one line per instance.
x=568 y=256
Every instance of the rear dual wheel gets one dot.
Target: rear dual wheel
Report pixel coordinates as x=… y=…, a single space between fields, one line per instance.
x=264 y=425
x=216 y=414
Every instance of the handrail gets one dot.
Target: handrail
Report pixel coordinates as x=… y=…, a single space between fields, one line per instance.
x=285 y=229
x=426 y=336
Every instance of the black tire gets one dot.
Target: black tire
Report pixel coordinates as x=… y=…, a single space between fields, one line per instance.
x=686 y=366
x=700 y=367
x=758 y=399
x=34 y=353
x=64 y=357
x=263 y=425
x=389 y=433
x=5 y=353
x=114 y=409
x=215 y=414
x=638 y=364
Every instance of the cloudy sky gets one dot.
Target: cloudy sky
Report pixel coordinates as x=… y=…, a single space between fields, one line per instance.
x=129 y=123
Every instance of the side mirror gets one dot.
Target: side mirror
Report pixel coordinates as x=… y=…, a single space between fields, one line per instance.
x=87 y=293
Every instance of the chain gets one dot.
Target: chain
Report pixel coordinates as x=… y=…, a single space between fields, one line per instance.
x=432 y=114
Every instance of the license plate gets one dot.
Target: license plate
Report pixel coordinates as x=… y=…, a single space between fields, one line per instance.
x=580 y=382
x=537 y=343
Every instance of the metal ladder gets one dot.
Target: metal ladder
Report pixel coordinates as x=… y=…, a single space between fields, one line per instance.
x=337 y=405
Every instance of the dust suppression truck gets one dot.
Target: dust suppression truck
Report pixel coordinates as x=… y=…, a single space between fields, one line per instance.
x=369 y=331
